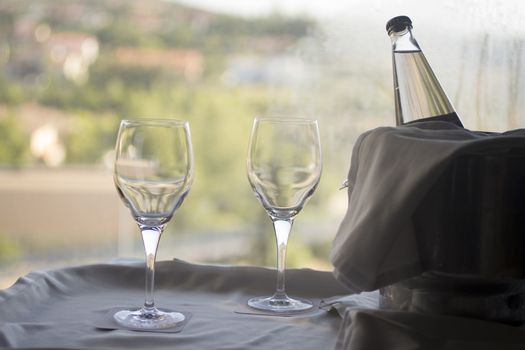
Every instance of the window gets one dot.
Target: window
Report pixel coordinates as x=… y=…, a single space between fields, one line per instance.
x=70 y=70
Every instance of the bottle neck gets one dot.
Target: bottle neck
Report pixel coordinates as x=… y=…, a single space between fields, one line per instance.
x=418 y=93
x=404 y=41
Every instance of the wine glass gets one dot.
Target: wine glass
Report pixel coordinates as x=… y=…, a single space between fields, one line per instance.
x=153 y=174
x=284 y=167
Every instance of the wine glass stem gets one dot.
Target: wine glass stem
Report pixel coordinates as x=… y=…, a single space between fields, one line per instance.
x=150 y=238
x=282 y=231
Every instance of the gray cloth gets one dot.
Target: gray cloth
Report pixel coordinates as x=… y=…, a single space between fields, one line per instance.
x=398 y=330
x=365 y=326
x=56 y=308
x=391 y=171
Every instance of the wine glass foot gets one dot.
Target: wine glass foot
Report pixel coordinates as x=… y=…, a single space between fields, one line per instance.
x=285 y=304
x=143 y=319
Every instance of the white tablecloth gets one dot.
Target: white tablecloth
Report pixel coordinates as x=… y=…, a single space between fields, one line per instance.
x=56 y=308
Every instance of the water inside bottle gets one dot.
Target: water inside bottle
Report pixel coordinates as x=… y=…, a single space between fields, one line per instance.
x=422 y=95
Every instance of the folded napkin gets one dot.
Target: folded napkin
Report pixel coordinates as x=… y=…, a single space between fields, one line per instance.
x=392 y=170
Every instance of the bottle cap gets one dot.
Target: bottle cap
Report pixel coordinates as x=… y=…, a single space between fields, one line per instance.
x=398 y=24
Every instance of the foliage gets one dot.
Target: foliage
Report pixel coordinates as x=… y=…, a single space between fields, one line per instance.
x=14 y=144
x=9 y=250
x=11 y=93
x=87 y=141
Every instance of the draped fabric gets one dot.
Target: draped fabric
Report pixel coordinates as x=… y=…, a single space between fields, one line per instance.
x=392 y=170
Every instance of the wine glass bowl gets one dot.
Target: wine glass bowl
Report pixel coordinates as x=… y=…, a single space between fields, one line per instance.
x=153 y=173
x=284 y=166
x=283 y=191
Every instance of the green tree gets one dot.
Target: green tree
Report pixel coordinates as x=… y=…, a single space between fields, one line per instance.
x=90 y=137
x=14 y=142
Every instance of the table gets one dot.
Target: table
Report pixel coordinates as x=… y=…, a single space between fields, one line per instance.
x=56 y=308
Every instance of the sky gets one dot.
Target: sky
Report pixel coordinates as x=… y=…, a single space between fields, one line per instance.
x=259 y=7
x=327 y=8
x=464 y=15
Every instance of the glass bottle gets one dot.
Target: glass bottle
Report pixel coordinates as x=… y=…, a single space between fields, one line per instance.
x=418 y=93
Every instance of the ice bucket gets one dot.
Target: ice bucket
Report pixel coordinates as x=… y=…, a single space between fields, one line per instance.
x=471 y=238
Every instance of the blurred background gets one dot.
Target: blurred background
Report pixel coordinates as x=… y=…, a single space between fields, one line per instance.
x=71 y=70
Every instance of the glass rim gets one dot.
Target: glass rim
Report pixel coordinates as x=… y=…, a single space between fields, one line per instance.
x=278 y=119
x=154 y=121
